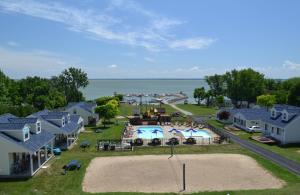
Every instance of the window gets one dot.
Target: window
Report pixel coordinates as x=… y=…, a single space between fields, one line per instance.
x=38 y=127
x=278 y=131
x=266 y=126
x=273 y=113
x=63 y=122
x=26 y=136
x=74 y=111
x=284 y=116
x=272 y=129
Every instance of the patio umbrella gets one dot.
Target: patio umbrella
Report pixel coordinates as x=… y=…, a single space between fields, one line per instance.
x=191 y=130
x=139 y=131
x=156 y=130
x=177 y=131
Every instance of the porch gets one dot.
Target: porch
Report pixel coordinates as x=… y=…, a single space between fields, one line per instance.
x=64 y=142
x=27 y=164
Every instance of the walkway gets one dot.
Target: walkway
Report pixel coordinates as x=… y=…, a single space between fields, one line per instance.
x=181 y=110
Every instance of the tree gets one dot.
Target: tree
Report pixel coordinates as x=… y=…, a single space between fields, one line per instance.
x=281 y=96
x=69 y=82
x=244 y=85
x=294 y=95
x=208 y=96
x=199 y=94
x=220 y=100
x=216 y=84
x=104 y=100
x=266 y=100
x=107 y=111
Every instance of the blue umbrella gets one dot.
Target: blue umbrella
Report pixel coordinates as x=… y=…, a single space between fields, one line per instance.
x=156 y=130
x=174 y=130
x=191 y=130
x=139 y=131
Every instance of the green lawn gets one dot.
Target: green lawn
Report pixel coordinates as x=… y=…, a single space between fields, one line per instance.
x=291 y=152
x=50 y=181
x=198 y=110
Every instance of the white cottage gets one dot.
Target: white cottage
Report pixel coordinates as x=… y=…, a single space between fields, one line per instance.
x=283 y=124
x=85 y=109
x=64 y=126
x=247 y=117
x=24 y=146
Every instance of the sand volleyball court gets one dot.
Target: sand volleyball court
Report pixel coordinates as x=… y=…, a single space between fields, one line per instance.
x=158 y=173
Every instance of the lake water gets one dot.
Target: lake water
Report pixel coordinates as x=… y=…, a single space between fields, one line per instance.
x=107 y=87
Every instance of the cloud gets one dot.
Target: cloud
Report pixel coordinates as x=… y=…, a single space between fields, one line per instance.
x=291 y=65
x=148 y=59
x=29 y=63
x=155 y=34
x=13 y=44
x=113 y=66
x=193 y=43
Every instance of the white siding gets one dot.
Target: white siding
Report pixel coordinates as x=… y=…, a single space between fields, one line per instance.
x=7 y=147
x=292 y=131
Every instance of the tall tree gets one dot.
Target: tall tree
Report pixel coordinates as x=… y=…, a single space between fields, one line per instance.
x=294 y=95
x=216 y=84
x=70 y=81
x=244 y=85
x=199 y=94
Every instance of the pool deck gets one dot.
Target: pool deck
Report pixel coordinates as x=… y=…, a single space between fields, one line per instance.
x=168 y=135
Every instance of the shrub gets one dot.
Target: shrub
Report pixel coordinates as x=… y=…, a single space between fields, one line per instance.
x=224 y=115
x=138 y=142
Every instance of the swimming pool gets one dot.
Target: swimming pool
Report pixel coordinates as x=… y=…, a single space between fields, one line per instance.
x=195 y=133
x=150 y=132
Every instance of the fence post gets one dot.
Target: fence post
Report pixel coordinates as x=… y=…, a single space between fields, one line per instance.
x=183 y=176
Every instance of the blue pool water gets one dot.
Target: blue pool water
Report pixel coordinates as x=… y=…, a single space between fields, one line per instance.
x=197 y=133
x=147 y=132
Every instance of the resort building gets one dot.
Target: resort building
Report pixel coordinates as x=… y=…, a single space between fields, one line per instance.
x=85 y=110
x=247 y=117
x=24 y=146
x=282 y=124
x=64 y=126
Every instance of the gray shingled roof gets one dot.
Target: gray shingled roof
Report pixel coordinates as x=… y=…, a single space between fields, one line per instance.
x=12 y=126
x=74 y=118
x=35 y=142
x=23 y=120
x=88 y=106
x=51 y=117
x=4 y=117
x=292 y=110
x=70 y=127
x=254 y=113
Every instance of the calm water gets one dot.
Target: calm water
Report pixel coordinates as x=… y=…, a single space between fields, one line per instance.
x=107 y=87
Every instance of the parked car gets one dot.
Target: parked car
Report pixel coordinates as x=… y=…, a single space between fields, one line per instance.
x=254 y=129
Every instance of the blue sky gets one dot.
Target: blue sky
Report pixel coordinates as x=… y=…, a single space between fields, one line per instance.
x=149 y=38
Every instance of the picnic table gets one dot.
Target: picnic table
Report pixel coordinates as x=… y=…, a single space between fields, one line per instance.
x=72 y=165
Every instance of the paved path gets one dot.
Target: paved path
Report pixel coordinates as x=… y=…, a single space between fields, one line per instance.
x=181 y=110
x=282 y=161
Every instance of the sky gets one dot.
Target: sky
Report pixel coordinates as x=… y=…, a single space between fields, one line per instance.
x=149 y=38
